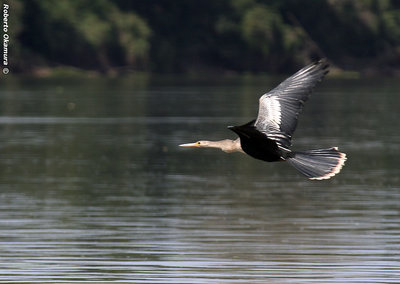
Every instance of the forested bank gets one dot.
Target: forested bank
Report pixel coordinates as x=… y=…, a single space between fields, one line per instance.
x=175 y=36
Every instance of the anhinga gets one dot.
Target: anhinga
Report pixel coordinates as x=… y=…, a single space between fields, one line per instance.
x=268 y=137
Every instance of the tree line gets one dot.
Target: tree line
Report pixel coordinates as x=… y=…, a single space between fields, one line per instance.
x=175 y=36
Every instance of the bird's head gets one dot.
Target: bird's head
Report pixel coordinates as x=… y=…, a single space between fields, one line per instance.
x=199 y=144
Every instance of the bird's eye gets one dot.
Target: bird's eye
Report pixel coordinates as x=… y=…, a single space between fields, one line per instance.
x=198 y=143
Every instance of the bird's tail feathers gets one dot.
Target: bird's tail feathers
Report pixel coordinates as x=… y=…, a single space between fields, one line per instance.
x=318 y=164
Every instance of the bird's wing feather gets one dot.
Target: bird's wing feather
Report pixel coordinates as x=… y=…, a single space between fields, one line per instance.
x=280 y=108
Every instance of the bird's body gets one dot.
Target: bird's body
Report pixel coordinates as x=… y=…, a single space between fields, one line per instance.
x=268 y=137
x=256 y=144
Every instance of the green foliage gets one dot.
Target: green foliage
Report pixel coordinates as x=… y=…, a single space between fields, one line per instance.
x=264 y=29
x=181 y=35
x=261 y=28
x=133 y=34
x=391 y=25
x=89 y=34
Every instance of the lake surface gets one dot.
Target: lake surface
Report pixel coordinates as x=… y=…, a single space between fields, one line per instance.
x=94 y=189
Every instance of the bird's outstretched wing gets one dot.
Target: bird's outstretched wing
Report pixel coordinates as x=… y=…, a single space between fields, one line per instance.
x=280 y=108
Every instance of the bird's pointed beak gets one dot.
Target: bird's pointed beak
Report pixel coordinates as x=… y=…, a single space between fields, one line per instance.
x=189 y=145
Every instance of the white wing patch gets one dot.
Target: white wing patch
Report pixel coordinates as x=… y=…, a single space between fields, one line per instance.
x=269 y=121
x=274 y=111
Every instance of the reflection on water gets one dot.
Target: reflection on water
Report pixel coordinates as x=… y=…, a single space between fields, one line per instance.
x=94 y=188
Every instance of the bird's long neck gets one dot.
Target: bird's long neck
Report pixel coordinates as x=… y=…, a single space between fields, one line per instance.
x=227 y=145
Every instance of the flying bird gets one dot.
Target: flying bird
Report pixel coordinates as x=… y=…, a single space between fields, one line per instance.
x=268 y=138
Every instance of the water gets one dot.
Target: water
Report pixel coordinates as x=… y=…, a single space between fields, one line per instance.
x=94 y=189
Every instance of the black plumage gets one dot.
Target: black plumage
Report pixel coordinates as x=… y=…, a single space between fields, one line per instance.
x=268 y=137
